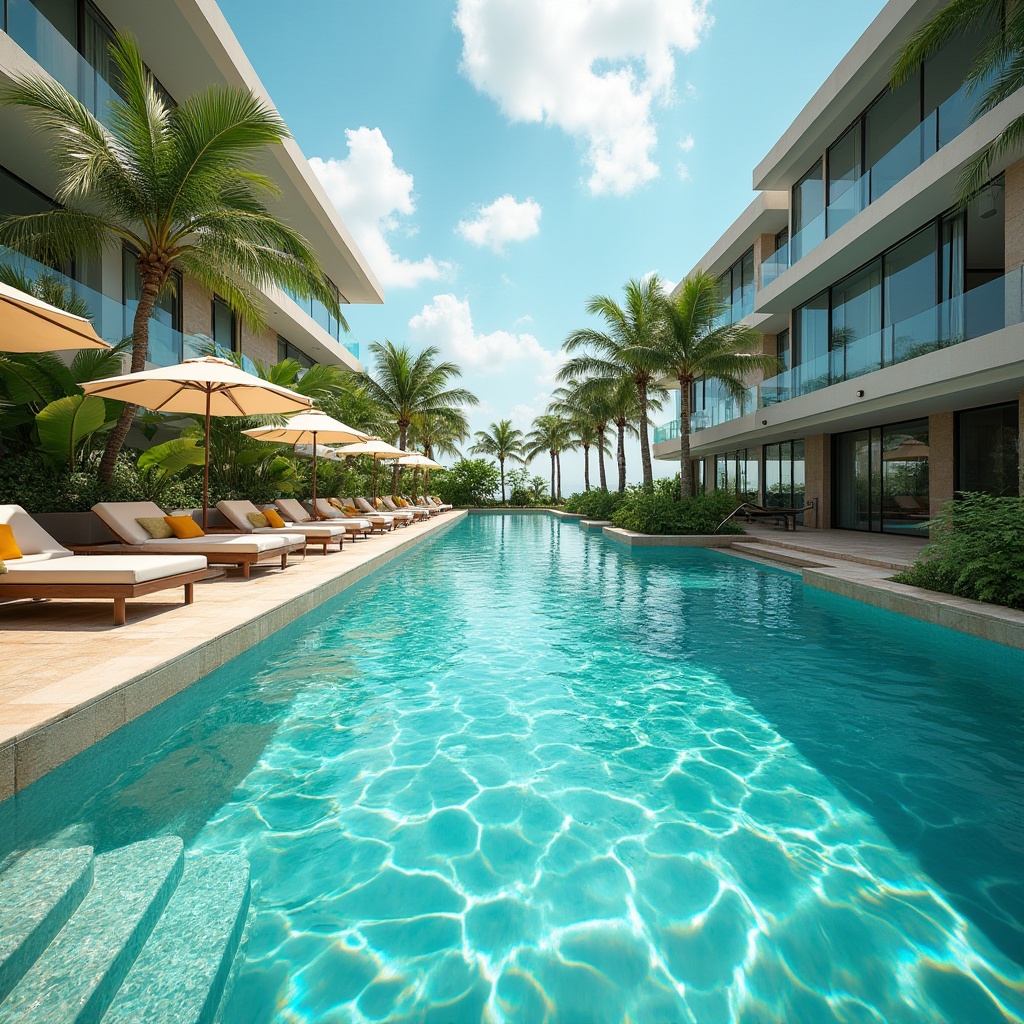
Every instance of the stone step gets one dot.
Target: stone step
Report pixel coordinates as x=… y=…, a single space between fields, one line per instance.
x=78 y=975
x=830 y=557
x=38 y=893
x=180 y=976
x=774 y=554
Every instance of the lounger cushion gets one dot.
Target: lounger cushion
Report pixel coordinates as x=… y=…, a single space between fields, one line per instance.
x=226 y=544
x=107 y=569
x=307 y=530
x=183 y=527
x=273 y=519
x=122 y=518
x=258 y=519
x=30 y=537
x=294 y=510
x=156 y=526
x=8 y=545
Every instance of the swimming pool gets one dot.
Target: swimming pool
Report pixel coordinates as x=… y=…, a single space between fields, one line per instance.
x=523 y=775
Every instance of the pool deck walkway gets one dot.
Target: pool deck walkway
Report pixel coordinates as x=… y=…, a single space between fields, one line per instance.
x=69 y=678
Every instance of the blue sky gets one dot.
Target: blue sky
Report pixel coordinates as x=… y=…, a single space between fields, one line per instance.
x=499 y=161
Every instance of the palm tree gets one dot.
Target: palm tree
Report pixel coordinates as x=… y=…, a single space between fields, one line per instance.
x=406 y=386
x=587 y=425
x=623 y=349
x=996 y=73
x=695 y=343
x=438 y=434
x=503 y=442
x=176 y=183
x=549 y=434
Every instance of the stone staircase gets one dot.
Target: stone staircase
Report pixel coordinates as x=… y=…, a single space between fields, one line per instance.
x=138 y=934
x=807 y=555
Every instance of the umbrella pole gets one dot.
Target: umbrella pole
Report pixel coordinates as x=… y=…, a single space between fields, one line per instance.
x=374 y=478
x=206 y=462
x=315 y=515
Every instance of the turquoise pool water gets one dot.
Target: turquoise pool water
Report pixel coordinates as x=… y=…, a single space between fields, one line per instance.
x=521 y=775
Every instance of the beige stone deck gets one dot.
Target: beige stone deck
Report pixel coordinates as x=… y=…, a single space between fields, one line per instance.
x=68 y=677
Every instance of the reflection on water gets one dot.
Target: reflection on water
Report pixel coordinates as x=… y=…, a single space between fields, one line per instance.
x=521 y=776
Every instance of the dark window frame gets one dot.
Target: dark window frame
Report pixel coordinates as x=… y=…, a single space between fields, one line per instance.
x=236 y=332
x=956 y=435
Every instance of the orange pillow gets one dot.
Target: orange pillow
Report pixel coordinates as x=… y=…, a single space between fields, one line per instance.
x=274 y=518
x=9 y=549
x=184 y=527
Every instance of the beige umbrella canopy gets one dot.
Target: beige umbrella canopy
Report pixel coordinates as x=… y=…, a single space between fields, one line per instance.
x=309 y=428
x=206 y=386
x=377 y=449
x=418 y=461
x=28 y=324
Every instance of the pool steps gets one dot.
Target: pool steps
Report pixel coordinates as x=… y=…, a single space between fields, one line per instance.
x=136 y=934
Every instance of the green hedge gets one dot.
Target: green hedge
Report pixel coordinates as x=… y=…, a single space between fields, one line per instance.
x=977 y=551
x=657 y=513
x=594 y=504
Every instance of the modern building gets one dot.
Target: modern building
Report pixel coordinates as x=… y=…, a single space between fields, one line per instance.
x=187 y=45
x=895 y=316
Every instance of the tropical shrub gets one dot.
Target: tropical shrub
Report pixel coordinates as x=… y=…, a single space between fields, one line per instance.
x=977 y=551
x=594 y=504
x=468 y=482
x=648 y=511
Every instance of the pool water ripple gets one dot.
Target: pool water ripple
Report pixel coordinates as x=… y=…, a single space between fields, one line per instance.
x=523 y=777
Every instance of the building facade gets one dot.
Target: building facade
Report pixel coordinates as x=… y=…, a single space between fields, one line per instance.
x=896 y=317
x=187 y=45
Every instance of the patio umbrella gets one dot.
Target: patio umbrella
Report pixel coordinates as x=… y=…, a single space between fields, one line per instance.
x=377 y=449
x=28 y=324
x=206 y=386
x=417 y=461
x=305 y=429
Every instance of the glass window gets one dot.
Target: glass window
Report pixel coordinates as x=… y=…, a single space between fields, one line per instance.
x=808 y=212
x=856 y=336
x=856 y=479
x=165 y=340
x=810 y=344
x=987 y=450
x=62 y=15
x=286 y=350
x=905 y=478
x=783 y=349
x=223 y=326
x=747 y=269
x=784 y=475
x=911 y=280
x=845 y=167
x=944 y=90
x=892 y=141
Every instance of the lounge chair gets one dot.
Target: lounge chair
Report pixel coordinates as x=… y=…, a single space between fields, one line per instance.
x=237 y=514
x=426 y=499
x=400 y=516
x=411 y=501
x=121 y=517
x=346 y=507
x=293 y=511
x=360 y=526
x=440 y=504
x=417 y=513
x=47 y=569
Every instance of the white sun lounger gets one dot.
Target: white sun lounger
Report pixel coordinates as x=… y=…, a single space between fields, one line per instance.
x=416 y=513
x=362 y=525
x=219 y=548
x=237 y=513
x=380 y=520
x=47 y=569
x=399 y=515
x=293 y=511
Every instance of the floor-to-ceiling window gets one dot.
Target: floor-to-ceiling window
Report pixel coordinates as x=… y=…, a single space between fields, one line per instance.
x=854 y=339
x=808 y=219
x=881 y=478
x=784 y=485
x=738 y=473
x=987 y=450
x=736 y=288
x=223 y=325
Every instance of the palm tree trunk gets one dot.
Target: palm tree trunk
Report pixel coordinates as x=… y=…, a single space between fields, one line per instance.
x=403 y=431
x=685 y=470
x=558 y=464
x=552 y=454
x=140 y=348
x=501 y=462
x=620 y=454
x=600 y=458
x=645 y=441
x=586 y=468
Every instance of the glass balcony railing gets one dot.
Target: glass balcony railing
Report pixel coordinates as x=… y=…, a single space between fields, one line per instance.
x=58 y=57
x=940 y=127
x=989 y=307
x=667 y=431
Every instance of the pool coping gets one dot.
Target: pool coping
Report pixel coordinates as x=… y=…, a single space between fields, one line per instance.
x=38 y=747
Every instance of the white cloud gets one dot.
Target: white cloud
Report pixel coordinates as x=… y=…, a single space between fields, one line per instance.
x=504 y=220
x=686 y=144
x=372 y=193
x=667 y=286
x=447 y=322
x=594 y=68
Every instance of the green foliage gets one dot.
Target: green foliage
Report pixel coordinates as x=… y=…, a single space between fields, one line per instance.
x=521 y=491
x=66 y=426
x=977 y=551
x=654 y=511
x=595 y=504
x=469 y=482
x=159 y=465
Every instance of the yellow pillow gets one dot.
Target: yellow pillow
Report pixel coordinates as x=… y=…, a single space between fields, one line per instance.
x=257 y=519
x=273 y=518
x=155 y=526
x=3 y=568
x=184 y=527
x=8 y=545
x=378 y=504
x=398 y=501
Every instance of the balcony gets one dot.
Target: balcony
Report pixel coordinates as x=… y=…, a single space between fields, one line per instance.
x=939 y=128
x=667 y=431
x=321 y=315
x=983 y=310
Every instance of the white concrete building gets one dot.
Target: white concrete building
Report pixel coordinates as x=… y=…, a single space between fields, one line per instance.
x=896 y=318
x=187 y=45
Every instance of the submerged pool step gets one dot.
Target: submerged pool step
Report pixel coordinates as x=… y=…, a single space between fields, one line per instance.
x=785 y=557
x=38 y=893
x=74 y=980
x=179 y=977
